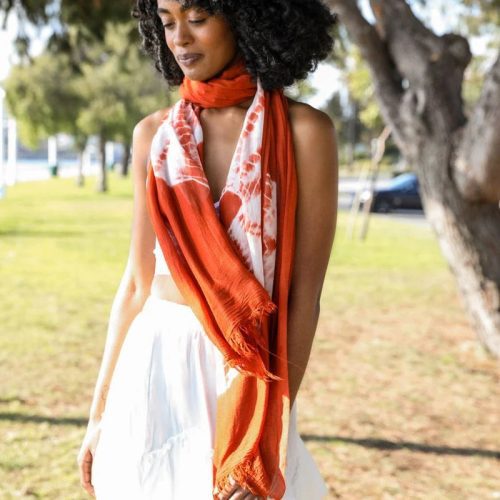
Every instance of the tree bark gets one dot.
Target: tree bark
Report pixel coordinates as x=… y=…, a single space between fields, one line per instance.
x=418 y=80
x=126 y=159
x=102 y=181
x=477 y=167
x=80 y=179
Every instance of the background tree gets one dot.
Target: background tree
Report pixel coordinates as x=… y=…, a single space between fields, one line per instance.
x=42 y=105
x=483 y=17
x=87 y=17
x=141 y=88
x=35 y=96
x=362 y=90
x=106 y=95
x=119 y=87
x=347 y=125
x=354 y=107
x=418 y=78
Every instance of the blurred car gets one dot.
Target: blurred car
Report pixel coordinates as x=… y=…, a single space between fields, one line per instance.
x=400 y=192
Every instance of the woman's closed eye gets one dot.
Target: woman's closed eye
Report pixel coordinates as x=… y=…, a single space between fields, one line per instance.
x=191 y=21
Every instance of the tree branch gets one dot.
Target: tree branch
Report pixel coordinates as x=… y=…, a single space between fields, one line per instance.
x=410 y=39
x=385 y=76
x=407 y=37
x=477 y=166
x=431 y=63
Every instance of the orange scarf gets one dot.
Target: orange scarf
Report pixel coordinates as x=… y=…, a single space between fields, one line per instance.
x=234 y=272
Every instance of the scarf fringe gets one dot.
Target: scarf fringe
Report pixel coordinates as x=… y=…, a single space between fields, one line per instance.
x=245 y=338
x=240 y=473
x=262 y=372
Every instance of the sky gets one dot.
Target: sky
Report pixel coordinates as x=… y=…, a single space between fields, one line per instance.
x=326 y=79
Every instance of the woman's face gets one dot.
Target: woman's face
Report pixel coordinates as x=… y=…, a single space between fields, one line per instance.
x=202 y=44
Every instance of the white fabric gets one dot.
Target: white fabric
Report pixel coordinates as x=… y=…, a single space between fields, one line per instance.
x=157 y=432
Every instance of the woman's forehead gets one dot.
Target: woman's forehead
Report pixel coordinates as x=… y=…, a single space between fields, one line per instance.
x=184 y=5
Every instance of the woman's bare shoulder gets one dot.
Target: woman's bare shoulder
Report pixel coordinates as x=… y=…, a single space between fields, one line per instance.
x=314 y=138
x=142 y=138
x=147 y=127
x=306 y=119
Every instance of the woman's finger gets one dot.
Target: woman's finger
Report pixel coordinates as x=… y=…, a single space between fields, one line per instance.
x=85 y=466
x=242 y=494
x=249 y=496
x=233 y=491
x=228 y=489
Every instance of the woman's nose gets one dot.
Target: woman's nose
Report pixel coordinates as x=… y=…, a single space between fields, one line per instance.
x=182 y=35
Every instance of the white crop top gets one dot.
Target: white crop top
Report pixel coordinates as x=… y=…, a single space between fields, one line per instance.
x=161 y=265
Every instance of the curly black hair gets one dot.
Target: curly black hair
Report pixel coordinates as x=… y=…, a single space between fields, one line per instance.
x=280 y=40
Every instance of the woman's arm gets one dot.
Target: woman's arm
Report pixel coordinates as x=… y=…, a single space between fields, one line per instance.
x=135 y=284
x=315 y=223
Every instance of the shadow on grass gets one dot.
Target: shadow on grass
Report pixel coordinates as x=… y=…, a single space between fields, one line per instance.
x=39 y=419
x=379 y=444
x=11 y=399
x=33 y=233
x=384 y=444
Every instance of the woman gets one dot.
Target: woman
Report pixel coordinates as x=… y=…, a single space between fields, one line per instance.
x=204 y=356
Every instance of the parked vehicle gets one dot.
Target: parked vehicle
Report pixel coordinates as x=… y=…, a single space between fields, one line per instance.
x=400 y=192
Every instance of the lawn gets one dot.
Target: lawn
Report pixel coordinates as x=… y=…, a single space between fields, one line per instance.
x=399 y=400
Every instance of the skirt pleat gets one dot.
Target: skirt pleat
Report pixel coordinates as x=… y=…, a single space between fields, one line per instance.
x=157 y=431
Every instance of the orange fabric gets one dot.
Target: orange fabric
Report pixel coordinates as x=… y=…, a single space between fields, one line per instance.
x=233 y=87
x=247 y=325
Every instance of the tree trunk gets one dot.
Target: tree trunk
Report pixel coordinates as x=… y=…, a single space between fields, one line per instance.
x=102 y=181
x=126 y=160
x=377 y=156
x=469 y=238
x=80 y=179
x=418 y=81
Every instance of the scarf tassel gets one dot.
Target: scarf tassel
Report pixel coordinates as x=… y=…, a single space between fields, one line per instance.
x=246 y=339
x=241 y=473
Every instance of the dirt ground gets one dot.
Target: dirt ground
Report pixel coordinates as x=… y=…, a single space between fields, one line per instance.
x=402 y=405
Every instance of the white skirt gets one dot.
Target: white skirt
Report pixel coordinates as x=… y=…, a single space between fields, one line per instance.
x=157 y=431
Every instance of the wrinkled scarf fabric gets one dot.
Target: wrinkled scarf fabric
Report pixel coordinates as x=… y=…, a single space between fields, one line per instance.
x=234 y=272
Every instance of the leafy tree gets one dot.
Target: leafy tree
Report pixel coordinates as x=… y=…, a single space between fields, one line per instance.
x=119 y=88
x=35 y=96
x=482 y=17
x=42 y=106
x=104 y=96
x=88 y=17
x=141 y=87
x=357 y=117
x=362 y=91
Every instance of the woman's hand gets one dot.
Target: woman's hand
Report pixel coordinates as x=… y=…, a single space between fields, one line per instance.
x=233 y=491
x=86 y=455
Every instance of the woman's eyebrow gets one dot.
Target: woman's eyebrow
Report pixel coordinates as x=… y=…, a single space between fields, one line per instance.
x=162 y=10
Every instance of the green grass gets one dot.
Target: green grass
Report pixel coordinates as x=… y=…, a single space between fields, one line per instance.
x=399 y=401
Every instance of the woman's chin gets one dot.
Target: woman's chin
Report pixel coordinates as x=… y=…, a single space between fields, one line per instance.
x=197 y=76
x=200 y=74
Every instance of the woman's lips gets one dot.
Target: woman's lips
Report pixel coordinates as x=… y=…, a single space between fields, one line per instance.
x=189 y=60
